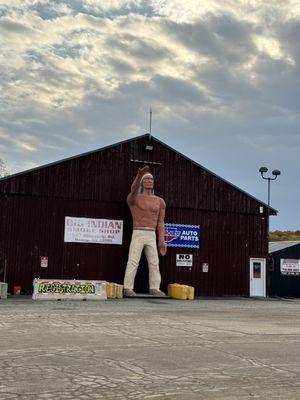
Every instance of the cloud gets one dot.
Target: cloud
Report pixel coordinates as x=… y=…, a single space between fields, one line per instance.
x=142 y=49
x=256 y=11
x=110 y=6
x=9 y=26
x=27 y=147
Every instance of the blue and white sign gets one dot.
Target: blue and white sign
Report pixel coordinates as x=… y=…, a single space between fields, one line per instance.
x=178 y=235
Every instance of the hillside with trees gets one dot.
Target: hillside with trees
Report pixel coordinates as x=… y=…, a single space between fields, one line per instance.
x=278 y=236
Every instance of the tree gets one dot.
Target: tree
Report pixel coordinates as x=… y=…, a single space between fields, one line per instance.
x=278 y=236
x=3 y=169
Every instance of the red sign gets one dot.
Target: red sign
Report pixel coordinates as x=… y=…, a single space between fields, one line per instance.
x=44 y=262
x=205 y=267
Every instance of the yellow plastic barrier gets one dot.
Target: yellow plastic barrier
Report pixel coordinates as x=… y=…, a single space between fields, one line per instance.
x=170 y=289
x=181 y=292
x=191 y=293
x=111 y=290
x=114 y=290
x=119 y=291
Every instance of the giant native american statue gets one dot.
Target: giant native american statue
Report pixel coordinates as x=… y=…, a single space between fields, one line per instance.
x=148 y=213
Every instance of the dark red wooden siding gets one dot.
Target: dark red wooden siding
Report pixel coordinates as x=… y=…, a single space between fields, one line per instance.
x=34 y=204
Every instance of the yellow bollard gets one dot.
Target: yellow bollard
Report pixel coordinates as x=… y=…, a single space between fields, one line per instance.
x=111 y=290
x=119 y=291
x=170 y=289
x=108 y=290
x=179 y=292
x=191 y=293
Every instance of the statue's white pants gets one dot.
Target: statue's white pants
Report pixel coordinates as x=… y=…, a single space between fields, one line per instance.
x=142 y=240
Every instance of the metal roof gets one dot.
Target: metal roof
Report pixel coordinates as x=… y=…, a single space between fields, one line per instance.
x=276 y=246
x=151 y=137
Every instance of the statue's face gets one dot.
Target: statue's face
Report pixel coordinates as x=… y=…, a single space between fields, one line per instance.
x=148 y=182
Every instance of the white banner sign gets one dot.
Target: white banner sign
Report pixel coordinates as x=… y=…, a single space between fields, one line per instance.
x=68 y=289
x=184 y=260
x=91 y=230
x=289 y=266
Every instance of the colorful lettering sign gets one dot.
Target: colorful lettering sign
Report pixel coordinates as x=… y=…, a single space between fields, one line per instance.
x=91 y=230
x=63 y=287
x=179 y=235
x=59 y=289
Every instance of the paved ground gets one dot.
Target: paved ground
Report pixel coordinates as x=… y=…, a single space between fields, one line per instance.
x=150 y=349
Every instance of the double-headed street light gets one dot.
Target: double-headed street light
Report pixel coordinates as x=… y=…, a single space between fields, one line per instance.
x=275 y=173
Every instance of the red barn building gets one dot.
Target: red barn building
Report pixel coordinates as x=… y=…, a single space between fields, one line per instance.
x=233 y=245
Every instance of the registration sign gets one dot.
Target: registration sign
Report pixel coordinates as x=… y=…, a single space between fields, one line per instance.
x=68 y=289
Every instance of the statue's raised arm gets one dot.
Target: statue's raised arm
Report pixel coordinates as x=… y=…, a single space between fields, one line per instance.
x=136 y=183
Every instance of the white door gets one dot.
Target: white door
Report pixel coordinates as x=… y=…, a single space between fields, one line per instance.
x=258 y=277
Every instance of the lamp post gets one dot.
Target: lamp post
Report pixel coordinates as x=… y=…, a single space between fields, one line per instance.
x=275 y=173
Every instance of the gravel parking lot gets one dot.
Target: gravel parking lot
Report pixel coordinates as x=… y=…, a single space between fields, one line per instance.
x=216 y=348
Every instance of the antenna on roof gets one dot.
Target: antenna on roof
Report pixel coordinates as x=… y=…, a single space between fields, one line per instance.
x=149 y=146
x=150 y=124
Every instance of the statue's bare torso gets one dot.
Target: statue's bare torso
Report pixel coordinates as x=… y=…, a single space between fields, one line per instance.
x=145 y=210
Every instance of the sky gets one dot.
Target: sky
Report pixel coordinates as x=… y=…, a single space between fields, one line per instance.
x=222 y=78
